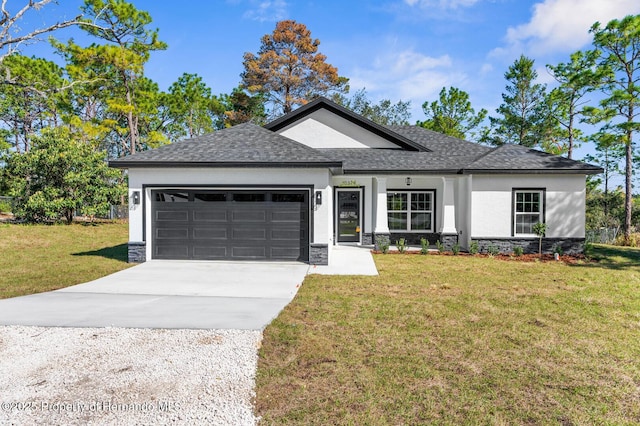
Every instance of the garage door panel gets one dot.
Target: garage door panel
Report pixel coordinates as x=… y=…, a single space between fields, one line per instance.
x=249 y=233
x=172 y=233
x=285 y=253
x=210 y=216
x=292 y=234
x=286 y=216
x=249 y=252
x=249 y=215
x=172 y=215
x=219 y=233
x=231 y=224
x=208 y=252
x=166 y=251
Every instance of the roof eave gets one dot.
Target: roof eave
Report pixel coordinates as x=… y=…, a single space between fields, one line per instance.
x=401 y=171
x=532 y=171
x=221 y=164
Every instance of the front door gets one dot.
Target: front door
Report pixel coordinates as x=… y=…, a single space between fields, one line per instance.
x=348 y=216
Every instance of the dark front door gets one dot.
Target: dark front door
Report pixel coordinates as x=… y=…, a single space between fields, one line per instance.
x=348 y=216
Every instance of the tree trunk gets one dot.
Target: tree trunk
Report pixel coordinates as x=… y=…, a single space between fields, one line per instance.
x=628 y=196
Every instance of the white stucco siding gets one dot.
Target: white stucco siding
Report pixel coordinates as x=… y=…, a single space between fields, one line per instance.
x=491 y=199
x=324 y=129
x=216 y=178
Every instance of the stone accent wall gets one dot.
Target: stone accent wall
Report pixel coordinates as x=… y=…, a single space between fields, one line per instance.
x=137 y=252
x=448 y=240
x=367 y=239
x=530 y=245
x=318 y=254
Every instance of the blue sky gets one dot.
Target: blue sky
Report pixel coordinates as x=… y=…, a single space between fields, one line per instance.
x=396 y=49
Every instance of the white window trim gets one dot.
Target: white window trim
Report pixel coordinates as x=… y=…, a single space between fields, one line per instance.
x=515 y=212
x=408 y=211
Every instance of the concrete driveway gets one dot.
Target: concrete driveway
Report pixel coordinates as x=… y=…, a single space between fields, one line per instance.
x=167 y=294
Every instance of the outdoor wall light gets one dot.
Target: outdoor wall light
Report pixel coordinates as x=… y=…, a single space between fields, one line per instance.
x=136 y=197
x=318 y=198
x=408 y=181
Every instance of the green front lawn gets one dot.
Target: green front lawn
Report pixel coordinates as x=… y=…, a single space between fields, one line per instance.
x=37 y=258
x=459 y=340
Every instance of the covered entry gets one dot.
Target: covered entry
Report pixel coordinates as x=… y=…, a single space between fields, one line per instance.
x=230 y=224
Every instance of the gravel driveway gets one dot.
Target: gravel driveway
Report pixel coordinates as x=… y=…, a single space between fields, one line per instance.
x=121 y=376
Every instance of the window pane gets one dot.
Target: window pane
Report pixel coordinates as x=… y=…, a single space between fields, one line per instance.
x=287 y=198
x=397 y=221
x=248 y=197
x=209 y=197
x=528 y=202
x=396 y=201
x=172 y=197
x=525 y=222
x=421 y=221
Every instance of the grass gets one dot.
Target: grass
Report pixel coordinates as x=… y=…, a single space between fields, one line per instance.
x=459 y=340
x=37 y=258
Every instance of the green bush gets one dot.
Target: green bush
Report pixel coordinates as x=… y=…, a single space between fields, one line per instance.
x=424 y=246
x=440 y=246
x=474 y=248
x=557 y=248
x=455 y=249
x=518 y=251
x=382 y=241
x=402 y=245
x=5 y=207
x=493 y=250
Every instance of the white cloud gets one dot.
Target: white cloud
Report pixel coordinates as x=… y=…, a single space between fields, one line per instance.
x=408 y=76
x=442 y=4
x=267 y=10
x=563 y=25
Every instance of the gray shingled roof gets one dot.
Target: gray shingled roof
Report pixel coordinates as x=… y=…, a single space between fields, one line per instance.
x=362 y=160
x=438 y=142
x=244 y=145
x=248 y=145
x=520 y=159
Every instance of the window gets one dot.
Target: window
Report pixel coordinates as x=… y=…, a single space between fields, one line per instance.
x=527 y=210
x=172 y=197
x=410 y=211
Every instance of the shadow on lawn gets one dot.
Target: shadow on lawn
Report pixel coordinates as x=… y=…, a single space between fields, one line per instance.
x=614 y=257
x=119 y=252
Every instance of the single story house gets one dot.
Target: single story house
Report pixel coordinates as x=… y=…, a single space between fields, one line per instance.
x=323 y=176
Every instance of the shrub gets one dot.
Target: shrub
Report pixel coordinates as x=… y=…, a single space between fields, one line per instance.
x=588 y=250
x=402 y=245
x=5 y=207
x=455 y=249
x=634 y=240
x=382 y=241
x=557 y=248
x=518 y=251
x=493 y=250
x=424 y=246
x=440 y=246
x=474 y=247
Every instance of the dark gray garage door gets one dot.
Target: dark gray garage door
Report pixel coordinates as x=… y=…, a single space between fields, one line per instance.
x=236 y=225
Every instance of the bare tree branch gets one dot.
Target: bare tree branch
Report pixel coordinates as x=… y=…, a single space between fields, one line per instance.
x=10 y=44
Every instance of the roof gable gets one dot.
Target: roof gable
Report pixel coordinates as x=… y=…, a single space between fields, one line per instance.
x=325 y=124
